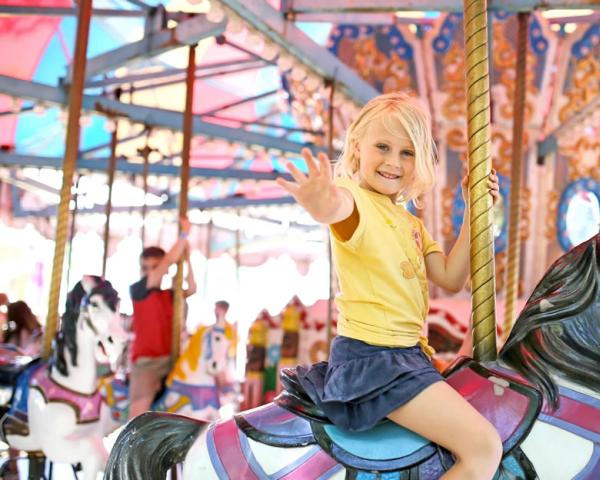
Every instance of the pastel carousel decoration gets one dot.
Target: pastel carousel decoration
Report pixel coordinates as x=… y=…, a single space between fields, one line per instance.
x=292 y=317
x=542 y=394
x=252 y=388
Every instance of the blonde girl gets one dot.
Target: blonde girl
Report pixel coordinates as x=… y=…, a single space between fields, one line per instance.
x=379 y=364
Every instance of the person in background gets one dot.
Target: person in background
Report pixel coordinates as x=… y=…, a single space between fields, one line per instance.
x=23 y=329
x=152 y=320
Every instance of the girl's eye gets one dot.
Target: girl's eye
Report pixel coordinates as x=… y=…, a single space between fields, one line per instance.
x=383 y=147
x=408 y=153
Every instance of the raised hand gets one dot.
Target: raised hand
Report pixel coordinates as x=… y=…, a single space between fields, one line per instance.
x=315 y=191
x=493 y=186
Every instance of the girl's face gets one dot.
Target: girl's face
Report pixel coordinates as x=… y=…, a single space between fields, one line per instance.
x=386 y=161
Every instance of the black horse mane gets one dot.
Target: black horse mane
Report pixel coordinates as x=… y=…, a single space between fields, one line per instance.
x=66 y=337
x=558 y=330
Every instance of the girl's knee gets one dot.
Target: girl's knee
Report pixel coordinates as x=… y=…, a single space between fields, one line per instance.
x=489 y=445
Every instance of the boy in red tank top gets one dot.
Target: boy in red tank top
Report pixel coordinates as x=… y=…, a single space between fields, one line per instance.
x=152 y=319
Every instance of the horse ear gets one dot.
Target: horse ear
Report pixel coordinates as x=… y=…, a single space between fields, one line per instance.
x=88 y=282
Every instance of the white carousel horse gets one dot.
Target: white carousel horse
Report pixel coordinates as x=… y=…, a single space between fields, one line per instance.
x=195 y=387
x=57 y=408
x=543 y=396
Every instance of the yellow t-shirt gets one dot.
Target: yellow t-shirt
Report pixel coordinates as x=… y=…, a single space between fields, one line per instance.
x=384 y=294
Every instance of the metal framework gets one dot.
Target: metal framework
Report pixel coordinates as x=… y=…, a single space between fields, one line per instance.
x=274 y=26
x=152 y=117
x=101 y=165
x=187 y=32
x=370 y=6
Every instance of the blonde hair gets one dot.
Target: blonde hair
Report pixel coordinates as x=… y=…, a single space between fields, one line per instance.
x=415 y=119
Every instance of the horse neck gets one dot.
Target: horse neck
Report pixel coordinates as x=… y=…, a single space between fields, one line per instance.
x=83 y=377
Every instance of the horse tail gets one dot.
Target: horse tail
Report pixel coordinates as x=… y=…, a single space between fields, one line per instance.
x=150 y=445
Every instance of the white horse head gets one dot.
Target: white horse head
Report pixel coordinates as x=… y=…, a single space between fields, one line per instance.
x=204 y=357
x=101 y=317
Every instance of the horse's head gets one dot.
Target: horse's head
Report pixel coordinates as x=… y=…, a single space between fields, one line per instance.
x=205 y=355
x=91 y=311
x=214 y=350
x=558 y=331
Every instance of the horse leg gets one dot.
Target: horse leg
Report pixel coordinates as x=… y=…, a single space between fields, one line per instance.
x=37 y=467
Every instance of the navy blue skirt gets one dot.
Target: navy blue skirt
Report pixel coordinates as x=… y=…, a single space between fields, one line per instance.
x=362 y=384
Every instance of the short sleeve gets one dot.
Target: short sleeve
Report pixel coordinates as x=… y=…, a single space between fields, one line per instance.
x=354 y=241
x=139 y=290
x=429 y=244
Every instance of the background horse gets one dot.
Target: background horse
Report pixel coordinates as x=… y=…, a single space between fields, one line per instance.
x=56 y=406
x=553 y=435
x=194 y=387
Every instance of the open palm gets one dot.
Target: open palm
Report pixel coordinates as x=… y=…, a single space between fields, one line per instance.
x=314 y=190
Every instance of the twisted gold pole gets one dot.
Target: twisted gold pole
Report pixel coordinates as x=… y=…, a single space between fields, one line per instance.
x=480 y=164
x=514 y=242
x=112 y=166
x=69 y=163
x=178 y=299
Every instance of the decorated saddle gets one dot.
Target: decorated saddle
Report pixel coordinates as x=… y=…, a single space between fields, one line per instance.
x=273 y=425
x=37 y=375
x=510 y=406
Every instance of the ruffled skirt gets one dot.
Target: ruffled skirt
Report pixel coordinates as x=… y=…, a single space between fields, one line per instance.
x=362 y=384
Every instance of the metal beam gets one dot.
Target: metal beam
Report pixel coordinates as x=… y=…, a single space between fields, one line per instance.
x=242 y=101
x=369 y=6
x=101 y=165
x=359 y=18
x=16 y=10
x=270 y=22
x=187 y=32
x=242 y=67
x=171 y=72
x=227 y=202
x=151 y=117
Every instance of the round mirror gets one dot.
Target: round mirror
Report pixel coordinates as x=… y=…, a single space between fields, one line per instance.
x=578 y=212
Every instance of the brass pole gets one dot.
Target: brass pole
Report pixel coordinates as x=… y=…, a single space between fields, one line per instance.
x=112 y=166
x=72 y=230
x=69 y=163
x=183 y=199
x=145 y=155
x=514 y=242
x=480 y=165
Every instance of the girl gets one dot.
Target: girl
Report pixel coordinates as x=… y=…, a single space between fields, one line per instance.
x=379 y=363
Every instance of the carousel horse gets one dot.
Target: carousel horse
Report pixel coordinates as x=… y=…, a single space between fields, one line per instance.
x=194 y=385
x=543 y=396
x=56 y=407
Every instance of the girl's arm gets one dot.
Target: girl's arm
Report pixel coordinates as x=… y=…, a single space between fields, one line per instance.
x=316 y=192
x=451 y=272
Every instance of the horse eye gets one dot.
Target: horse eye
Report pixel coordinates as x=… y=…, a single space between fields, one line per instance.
x=217 y=339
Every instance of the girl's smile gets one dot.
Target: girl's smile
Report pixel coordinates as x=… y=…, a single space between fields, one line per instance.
x=386 y=158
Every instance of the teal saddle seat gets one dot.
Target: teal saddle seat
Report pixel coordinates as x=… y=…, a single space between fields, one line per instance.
x=385 y=447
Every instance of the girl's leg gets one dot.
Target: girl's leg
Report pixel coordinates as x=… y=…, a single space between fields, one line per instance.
x=441 y=415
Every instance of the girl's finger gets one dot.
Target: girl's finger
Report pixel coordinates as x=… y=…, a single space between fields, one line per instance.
x=324 y=165
x=296 y=173
x=289 y=186
x=310 y=162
